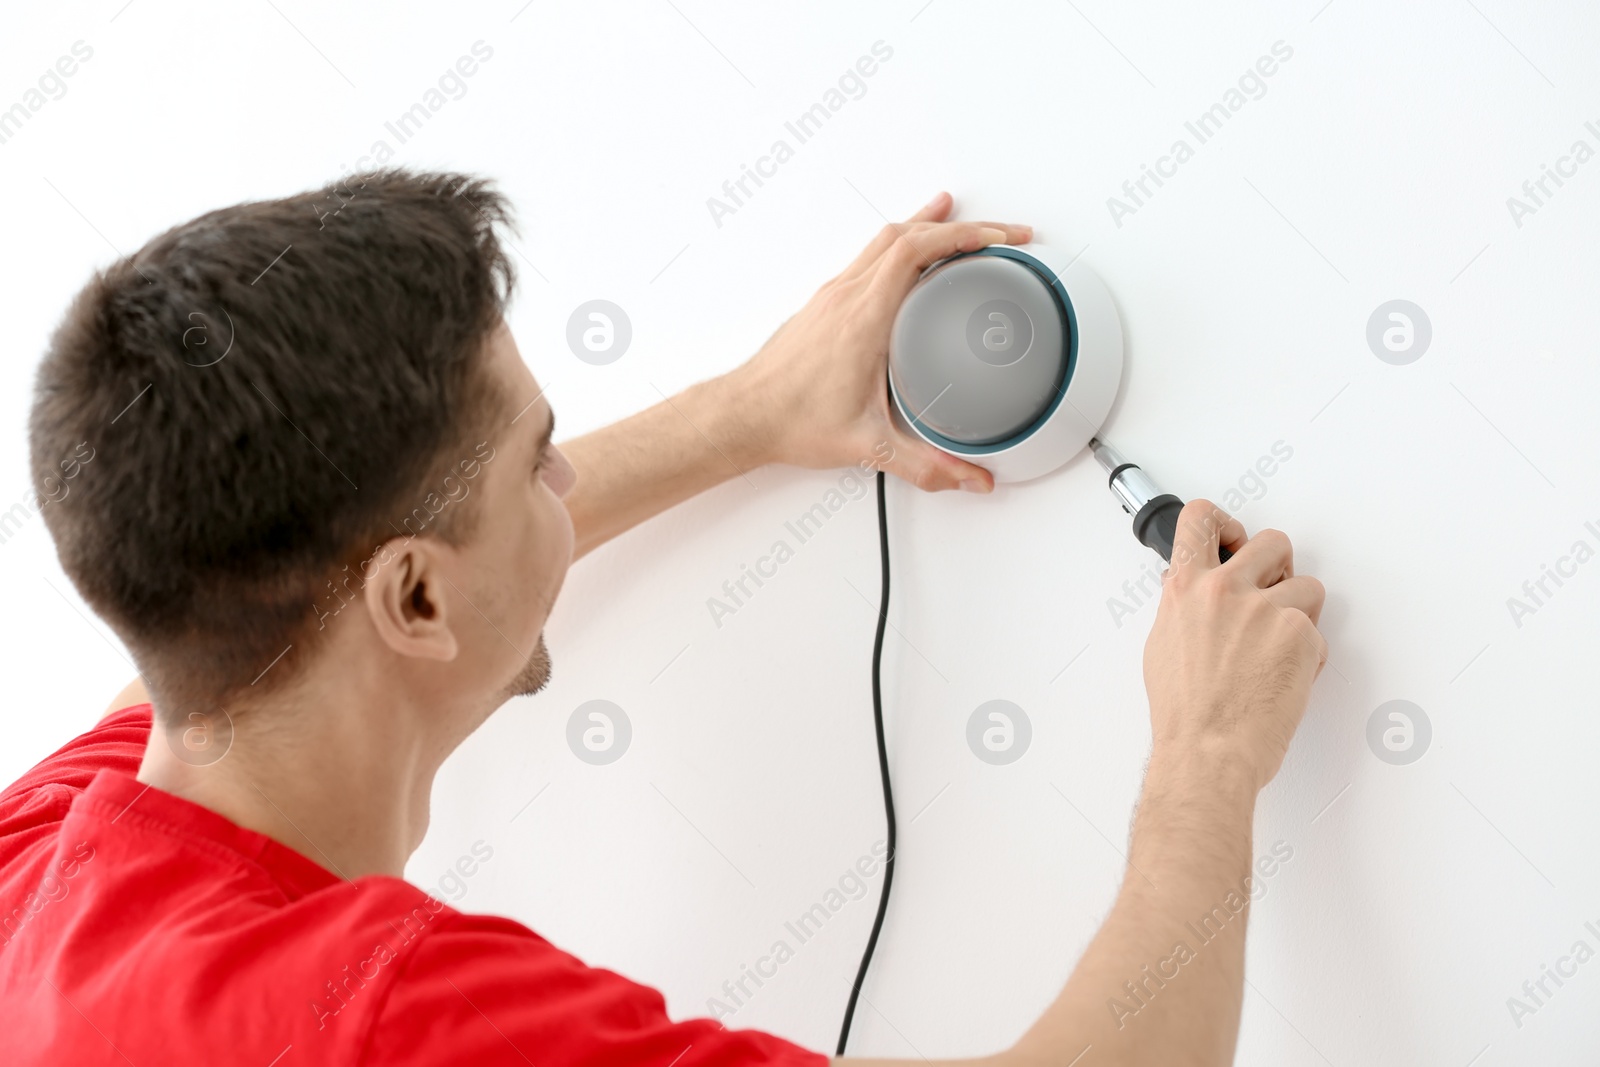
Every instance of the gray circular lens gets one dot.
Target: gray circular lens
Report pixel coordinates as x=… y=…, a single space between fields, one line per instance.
x=999 y=332
x=979 y=349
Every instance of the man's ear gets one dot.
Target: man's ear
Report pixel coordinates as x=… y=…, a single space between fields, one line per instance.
x=406 y=598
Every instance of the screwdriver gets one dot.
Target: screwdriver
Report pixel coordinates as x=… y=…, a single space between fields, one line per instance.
x=1155 y=513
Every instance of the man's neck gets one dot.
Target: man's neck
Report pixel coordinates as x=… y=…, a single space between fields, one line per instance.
x=341 y=776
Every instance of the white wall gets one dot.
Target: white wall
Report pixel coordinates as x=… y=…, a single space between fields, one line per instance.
x=1376 y=166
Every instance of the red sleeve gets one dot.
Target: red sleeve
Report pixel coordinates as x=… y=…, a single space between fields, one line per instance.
x=35 y=802
x=489 y=991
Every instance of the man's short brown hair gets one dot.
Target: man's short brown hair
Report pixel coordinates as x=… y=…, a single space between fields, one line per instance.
x=267 y=389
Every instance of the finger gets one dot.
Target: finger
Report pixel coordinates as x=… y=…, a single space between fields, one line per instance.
x=935 y=210
x=930 y=469
x=1232 y=537
x=1313 y=636
x=917 y=249
x=1016 y=232
x=1202 y=526
x=1266 y=559
x=912 y=232
x=1302 y=592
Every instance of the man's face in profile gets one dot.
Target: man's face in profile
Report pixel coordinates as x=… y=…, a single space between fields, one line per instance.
x=521 y=545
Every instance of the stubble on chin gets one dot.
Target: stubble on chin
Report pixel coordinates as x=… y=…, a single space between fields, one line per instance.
x=534 y=675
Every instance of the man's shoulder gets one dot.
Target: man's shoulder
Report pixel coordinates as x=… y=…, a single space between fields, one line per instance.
x=116 y=742
x=33 y=807
x=498 y=992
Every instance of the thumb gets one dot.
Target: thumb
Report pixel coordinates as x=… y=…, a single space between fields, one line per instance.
x=930 y=469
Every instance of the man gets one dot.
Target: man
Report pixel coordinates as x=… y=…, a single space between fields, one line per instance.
x=325 y=515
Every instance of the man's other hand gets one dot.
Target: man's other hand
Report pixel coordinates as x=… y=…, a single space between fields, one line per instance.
x=1234 y=649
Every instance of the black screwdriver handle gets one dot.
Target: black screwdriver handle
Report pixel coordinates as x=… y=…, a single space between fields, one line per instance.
x=1156 y=526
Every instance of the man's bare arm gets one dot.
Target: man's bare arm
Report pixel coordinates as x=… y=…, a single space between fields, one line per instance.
x=645 y=464
x=1228 y=667
x=1147 y=991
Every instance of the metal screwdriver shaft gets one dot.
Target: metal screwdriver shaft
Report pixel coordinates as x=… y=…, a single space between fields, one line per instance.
x=1155 y=513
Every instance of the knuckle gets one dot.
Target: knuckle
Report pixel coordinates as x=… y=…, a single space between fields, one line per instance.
x=1276 y=539
x=1202 y=516
x=903 y=249
x=1305 y=633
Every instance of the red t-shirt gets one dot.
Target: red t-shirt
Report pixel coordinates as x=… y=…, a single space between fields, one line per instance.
x=137 y=927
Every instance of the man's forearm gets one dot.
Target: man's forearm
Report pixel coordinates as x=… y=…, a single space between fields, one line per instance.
x=1229 y=666
x=635 y=469
x=1163 y=980
x=1161 y=984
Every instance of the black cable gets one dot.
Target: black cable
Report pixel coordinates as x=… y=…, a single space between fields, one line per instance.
x=883 y=771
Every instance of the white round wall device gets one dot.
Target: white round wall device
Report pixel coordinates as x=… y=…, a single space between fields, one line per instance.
x=1008 y=357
